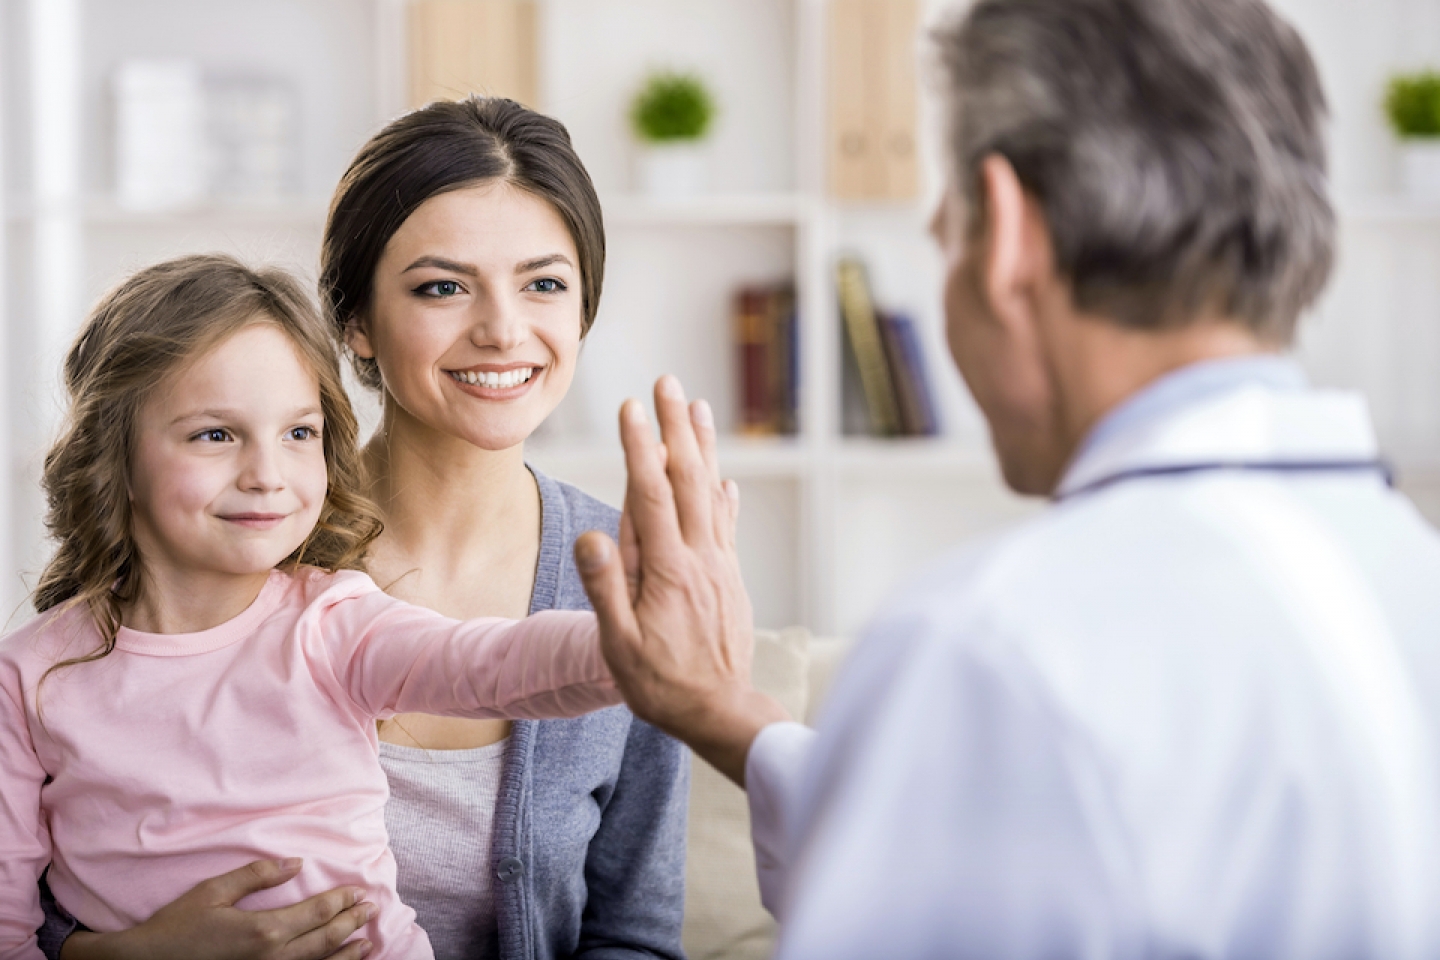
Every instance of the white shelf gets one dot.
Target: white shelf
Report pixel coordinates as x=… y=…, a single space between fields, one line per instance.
x=914 y=456
x=105 y=212
x=791 y=457
x=622 y=210
x=741 y=458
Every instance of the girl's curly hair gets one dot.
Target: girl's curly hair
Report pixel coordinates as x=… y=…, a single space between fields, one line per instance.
x=138 y=336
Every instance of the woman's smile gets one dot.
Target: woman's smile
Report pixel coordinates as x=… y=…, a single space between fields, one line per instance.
x=497 y=381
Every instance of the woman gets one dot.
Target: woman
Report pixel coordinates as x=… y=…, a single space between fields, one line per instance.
x=462 y=265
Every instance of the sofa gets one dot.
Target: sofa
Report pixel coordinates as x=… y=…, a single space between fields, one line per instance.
x=723 y=916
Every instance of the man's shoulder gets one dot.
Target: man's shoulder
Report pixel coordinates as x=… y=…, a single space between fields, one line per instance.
x=989 y=591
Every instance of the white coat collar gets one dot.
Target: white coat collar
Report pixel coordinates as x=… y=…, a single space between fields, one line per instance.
x=1253 y=423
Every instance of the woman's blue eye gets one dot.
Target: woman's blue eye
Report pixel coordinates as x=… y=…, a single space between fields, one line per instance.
x=547 y=285
x=439 y=288
x=303 y=433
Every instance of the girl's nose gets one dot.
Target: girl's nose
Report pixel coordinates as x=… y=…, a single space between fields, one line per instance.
x=260 y=472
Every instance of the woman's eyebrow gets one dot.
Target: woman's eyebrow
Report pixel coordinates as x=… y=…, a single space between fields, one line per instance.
x=540 y=263
x=440 y=263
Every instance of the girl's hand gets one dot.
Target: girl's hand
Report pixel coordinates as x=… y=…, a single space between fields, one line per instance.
x=205 y=924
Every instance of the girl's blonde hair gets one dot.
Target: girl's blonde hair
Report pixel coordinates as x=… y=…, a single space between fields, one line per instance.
x=139 y=335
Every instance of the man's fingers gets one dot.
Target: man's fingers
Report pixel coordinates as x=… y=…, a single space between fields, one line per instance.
x=702 y=418
x=601 y=571
x=692 y=483
x=649 y=500
x=228 y=888
x=630 y=555
x=727 y=513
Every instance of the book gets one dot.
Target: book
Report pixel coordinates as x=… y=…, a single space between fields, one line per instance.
x=752 y=339
x=862 y=327
x=767 y=361
x=785 y=361
x=907 y=371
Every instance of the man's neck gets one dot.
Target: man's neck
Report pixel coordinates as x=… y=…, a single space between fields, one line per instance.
x=1097 y=364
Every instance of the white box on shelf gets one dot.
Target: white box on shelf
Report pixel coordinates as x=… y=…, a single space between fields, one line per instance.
x=1420 y=168
x=253 y=137
x=159 y=134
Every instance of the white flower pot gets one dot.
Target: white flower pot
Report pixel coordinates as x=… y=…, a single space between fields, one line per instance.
x=1420 y=168
x=672 y=171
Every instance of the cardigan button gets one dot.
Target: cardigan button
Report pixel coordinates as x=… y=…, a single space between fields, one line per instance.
x=510 y=869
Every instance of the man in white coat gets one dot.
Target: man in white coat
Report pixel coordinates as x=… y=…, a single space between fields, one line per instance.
x=1191 y=709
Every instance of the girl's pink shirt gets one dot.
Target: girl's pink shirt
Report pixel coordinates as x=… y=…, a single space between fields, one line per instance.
x=180 y=757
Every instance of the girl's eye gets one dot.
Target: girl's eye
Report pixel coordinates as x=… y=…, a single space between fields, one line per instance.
x=546 y=285
x=439 y=289
x=304 y=433
x=215 y=435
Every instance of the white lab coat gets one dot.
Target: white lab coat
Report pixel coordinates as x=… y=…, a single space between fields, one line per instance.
x=1190 y=715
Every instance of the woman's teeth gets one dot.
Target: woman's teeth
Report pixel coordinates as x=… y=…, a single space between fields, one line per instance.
x=510 y=378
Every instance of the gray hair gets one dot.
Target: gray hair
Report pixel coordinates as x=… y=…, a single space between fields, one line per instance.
x=1175 y=146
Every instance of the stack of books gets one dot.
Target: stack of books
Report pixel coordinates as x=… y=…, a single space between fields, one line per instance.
x=884 y=356
x=768 y=360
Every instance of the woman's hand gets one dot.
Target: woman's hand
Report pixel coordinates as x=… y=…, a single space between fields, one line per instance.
x=675 y=620
x=205 y=924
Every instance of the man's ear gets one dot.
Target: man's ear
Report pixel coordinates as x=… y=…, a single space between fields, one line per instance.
x=357 y=339
x=1014 y=237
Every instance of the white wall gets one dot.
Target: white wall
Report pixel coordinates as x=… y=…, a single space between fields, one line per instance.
x=666 y=300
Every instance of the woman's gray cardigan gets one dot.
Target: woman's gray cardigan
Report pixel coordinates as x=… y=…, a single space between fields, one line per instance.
x=589 y=842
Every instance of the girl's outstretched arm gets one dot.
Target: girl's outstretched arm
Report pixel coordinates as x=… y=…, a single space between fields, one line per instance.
x=205 y=924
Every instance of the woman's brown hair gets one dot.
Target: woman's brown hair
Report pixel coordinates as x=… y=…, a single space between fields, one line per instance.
x=450 y=145
x=139 y=335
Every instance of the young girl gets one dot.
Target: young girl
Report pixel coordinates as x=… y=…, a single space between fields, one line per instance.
x=202 y=685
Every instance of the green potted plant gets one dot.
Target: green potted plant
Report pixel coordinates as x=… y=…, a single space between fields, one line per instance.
x=670 y=116
x=1412 y=104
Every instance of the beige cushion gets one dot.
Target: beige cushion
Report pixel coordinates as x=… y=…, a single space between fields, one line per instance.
x=723 y=916
x=826 y=655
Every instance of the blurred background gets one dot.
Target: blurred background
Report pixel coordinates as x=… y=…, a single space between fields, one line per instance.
x=766 y=168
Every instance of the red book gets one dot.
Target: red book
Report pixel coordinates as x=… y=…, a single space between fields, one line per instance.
x=753 y=338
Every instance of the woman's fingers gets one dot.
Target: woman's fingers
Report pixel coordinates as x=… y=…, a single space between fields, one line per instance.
x=692 y=481
x=204 y=923
x=325 y=939
x=315 y=928
x=228 y=888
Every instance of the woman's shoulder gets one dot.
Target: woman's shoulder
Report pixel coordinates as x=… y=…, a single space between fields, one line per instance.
x=573 y=510
x=565 y=513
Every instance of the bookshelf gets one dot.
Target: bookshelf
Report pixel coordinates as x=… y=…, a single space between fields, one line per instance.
x=830 y=523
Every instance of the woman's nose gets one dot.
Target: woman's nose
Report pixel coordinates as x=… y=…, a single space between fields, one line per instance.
x=499 y=324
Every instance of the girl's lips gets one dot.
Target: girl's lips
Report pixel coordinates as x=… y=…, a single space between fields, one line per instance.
x=255 y=521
